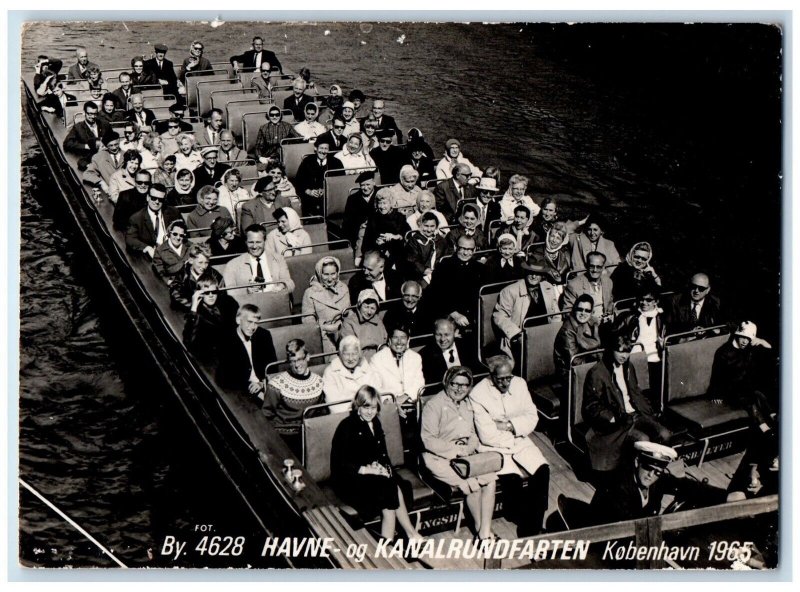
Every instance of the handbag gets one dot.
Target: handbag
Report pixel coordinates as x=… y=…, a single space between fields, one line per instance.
x=477 y=464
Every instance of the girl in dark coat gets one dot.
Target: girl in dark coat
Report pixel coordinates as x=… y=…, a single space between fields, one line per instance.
x=212 y=315
x=361 y=470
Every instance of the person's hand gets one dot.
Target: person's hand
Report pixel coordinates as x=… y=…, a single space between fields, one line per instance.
x=265 y=160
x=459 y=319
x=555 y=276
x=255 y=387
x=764 y=427
x=516 y=338
x=162 y=82
x=357 y=261
x=381 y=239
x=149 y=251
x=196 y=297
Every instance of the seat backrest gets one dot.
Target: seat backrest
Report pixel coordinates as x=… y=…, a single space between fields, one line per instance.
x=158 y=101
x=579 y=373
x=539 y=342
x=192 y=78
x=221 y=98
x=688 y=372
x=161 y=112
x=234 y=110
x=292 y=153
x=308 y=332
x=487 y=299
x=638 y=360
x=271 y=304
x=317 y=232
x=279 y=96
x=337 y=189
x=318 y=432
x=206 y=87
x=301 y=268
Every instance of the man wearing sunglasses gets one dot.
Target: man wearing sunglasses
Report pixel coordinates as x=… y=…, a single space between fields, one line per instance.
x=388 y=158
x=131 y=201
x=695 y=307
x=335 y=135
x=147 y=228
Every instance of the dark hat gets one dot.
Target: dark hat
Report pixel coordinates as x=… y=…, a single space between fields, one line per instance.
x=160 y=47
x=175 y=107
x=416 y=146
x=654 y=455
x=263 y=184
x=386 y=133
x=321 y=140
x=532 y=269
x=312 y=106
x=171 y=157
x=365 y=176
x=273 y=108
x=356 y=95
x=110 y=136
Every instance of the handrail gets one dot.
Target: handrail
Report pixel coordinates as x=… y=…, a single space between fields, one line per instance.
x=285 y=317
x=251 y=285
x=300 y=248
x=694 y=331
x=570 y=403
x=189 y=230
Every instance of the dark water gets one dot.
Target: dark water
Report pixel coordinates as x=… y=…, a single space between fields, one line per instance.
x=673 y=132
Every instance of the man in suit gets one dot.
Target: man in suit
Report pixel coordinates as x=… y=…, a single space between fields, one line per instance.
x=213 y=128
x=163 y=70
x=387 y=157
x=416 y=157
x=359 y=206
x=137 y=114
x=85 y=138
x=245 y=353
x=123 y=93
x=615 y=410
x=78 y=70
x=298 y=101
x=694 y=308
x=131 y=201
x=385 y=122
x=595 y=282
x=445 y=352
x=408 y=311
x=253 y=58
x=374 y=276
x=147 y=228
x=104 y=163
x=211 y=170
x=335 y=135
x=453 y=292
x=310 y=178
x=489 y=209
x=256 y=267
x=260 y=209
x=450 y=191
x=228 y=150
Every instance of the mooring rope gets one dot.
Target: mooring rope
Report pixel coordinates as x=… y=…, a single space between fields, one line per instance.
x=50 y=505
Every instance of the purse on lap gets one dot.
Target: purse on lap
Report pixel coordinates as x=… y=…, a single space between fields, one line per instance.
x=477 y=464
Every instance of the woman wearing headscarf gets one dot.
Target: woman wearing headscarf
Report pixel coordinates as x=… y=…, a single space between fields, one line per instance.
x=351 y=124
x=515 y=196
x=629 y=275
x=335 y=99
x=184 y=192
x=364 y=323
x=553 y=257
x=231 y=193
x=326 y=297
x=645 y=325
x=590 y=238
x=579 y=333
x=288 y=235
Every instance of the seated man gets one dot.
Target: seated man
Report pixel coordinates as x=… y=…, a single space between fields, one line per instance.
x=261 y=208
x=407 y=312
x=257 y=267
x=445 y=352
x=290 y=393
x=416 y=159
x=131 y=200
x=358 y=206
x=386 y=123
x=310 y=128
x=694 y=308
x=463 y=271
x=595 y=282
x=255 y=58
x=147 y=228
x=211 y=171
x=228 y=150
x=85 y=138
x=123 y=94
x=374 y=275
x=80 y=69
x=530 y=297
x=383 y=231
x=268 y=142
x=504 y=264
x=453 y=155
x=451 y=191
x=137 y=114
x=104 y=163
x=298 y=100
x=310 y=179
x=163 y=70
x=210 y=317
x=262 y=82
x=615 y=410
x=176 y=112
x=244 y=353
x=505 y=416
x=387 y=157
x=404 y=193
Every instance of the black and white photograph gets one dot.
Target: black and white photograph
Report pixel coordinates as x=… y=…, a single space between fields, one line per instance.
x=384 y=295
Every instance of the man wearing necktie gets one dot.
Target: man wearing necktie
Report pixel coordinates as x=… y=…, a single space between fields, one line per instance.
x=104 y=163
x=615 y=409
x=244 y=354
x=163 y=70
x=85 y=137
x=694 y=308
x=142 y=117
x=445 y=352
x=450 y=192
x=147 y=228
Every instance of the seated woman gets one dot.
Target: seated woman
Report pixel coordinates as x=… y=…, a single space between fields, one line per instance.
x=348 y=372
x=224 y=239
x=448 y=432
x=548 y=215
x=285 y=189
x=131 y=137
x=520 y=228
x=553 y=257
x=151 y=152
x=184 y=193
x=170 y=256
x=645 y=325
x=123 y=178
x=515 y=196
x=369 y=135
x=424 y=249
x=426 y=202
x=289 y=393
x=108 y=113
x=202 y=217
x=209 y=319
x=327 y=297
x=579 y=333
x=289 y=238
x=365 y=324
x=629 y=275
x=183 y=286
x=165 y=174
x=94 y=78
x=503 y=265
x=351 y=124
x=140 y=76
x=384 y=231
x=231 y=192
x=590 y=238
x=187 y=156
x=334 y=100
x=354 y=159
x=361 y=470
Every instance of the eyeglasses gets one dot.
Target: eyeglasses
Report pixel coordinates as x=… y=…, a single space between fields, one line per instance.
x=466 y=249
x=130 y=132
x=594 y=267
x=274 y=114
x=338 y=127
x=176 y=234
x=460 y=385
x=583 y=310
x=175 y=126
x=697 y=288
x=153 y=198
x=648 y=299
x=414 y=296
x=142 y=182
x=385 y=141
x=197 y=48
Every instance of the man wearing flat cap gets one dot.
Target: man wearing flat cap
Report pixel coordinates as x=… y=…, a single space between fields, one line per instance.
x=310 y=177
x=163 y=70
x=639 y=487
x=211 y=170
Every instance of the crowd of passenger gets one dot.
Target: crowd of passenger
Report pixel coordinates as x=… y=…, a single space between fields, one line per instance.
x=425 y=242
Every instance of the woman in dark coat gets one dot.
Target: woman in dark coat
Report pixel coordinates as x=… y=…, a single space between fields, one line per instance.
x=224 y=239
x=384 y=231
x=210 y=318
x=361 y=470
x=634 y=272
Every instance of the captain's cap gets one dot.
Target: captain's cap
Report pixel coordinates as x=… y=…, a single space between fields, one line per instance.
x=160 y=48
x=747 y=329
x=365 y=176
x=208 y=150
x=654 y=455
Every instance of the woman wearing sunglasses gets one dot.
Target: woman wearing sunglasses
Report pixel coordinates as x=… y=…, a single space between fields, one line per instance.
x=579 y=333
